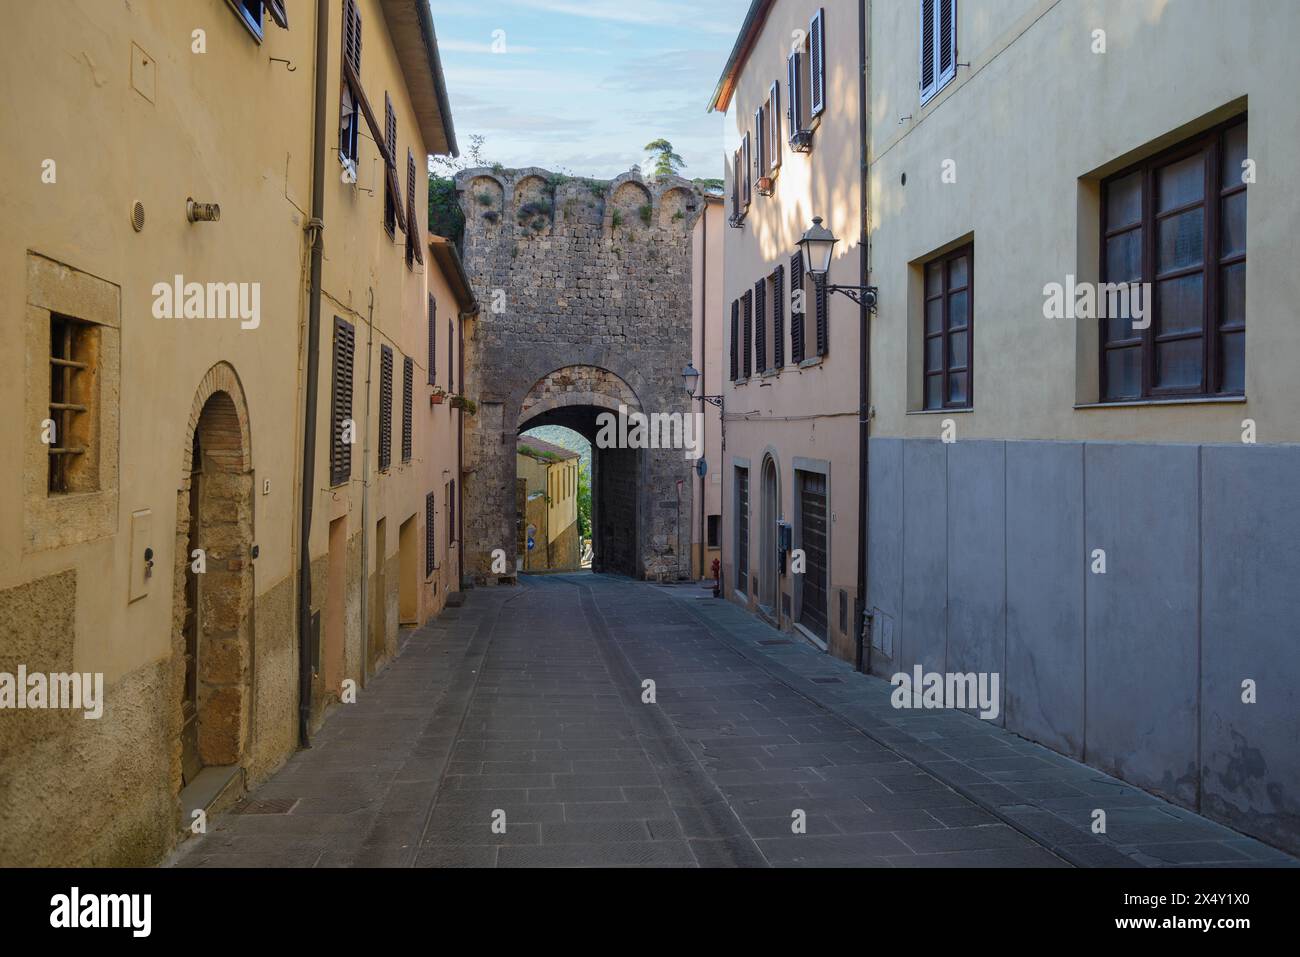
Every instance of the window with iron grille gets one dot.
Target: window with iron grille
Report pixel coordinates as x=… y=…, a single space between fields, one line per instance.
x=742 y=529
x=408 y=390
x=342 y=428
x=385 y=407
x=430 y=518
x=714 y=522
x=73 y=345
x=1176 y=224
x=947 y=347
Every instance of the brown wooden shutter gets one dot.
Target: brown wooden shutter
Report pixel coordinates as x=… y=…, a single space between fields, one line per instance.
x=817 y=62
x=385 y=407
x=414 y=254
x=748 y=309
x=451 y=513
x=735 y=339
x=390 y=124
x=746 y=190
x=408 y=390
x=774 y=128
x=778 y=318
x=341 y=401
x=276 y=9
x=451 y=356
x=760 y=324
x=819 y=285
x=737 y=175
x=797 y=314
x=433 y=340
x=927 y=49
x=352 y=34
x=430 y=517
x=794 y=88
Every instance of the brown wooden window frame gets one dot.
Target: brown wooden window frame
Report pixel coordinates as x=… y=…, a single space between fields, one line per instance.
x=1212 y=265
x=946 y=329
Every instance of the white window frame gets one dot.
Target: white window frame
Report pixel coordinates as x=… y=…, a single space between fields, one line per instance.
x=943 y=75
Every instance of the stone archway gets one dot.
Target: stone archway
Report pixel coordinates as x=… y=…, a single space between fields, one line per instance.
x=575 y=397
x=213 y=590
x=602 y=292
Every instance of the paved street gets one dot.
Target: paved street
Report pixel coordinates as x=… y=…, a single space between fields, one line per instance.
x=528 y=701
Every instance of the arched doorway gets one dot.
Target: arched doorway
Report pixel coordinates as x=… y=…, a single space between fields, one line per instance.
x=578 y=397
x=769 y=514
x=213 y=593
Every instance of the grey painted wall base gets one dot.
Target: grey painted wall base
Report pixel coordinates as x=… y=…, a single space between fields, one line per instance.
x=981 y=558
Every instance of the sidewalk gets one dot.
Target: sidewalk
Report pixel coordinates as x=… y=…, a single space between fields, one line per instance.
x=1046 y=796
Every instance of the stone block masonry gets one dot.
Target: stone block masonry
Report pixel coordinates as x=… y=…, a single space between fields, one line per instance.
x=586 y=293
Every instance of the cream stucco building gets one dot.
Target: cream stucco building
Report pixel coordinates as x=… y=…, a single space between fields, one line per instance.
x=791 y=387
x=152 y=516
x=1103 y=510
x=1082 y=466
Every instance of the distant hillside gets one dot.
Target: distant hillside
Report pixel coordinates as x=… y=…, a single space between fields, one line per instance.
x=567 y=439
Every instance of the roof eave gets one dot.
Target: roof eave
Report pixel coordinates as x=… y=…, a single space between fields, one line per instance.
x=453 y=270
x=410 y=24
x=749 y=30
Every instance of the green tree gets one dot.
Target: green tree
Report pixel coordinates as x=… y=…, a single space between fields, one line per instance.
x=445 y=216
x=584 y=503
x=666 y=162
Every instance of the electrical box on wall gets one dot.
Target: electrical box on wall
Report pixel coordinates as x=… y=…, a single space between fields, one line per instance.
x=142 y=559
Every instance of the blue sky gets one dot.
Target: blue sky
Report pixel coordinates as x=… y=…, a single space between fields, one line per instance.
x=583 y=85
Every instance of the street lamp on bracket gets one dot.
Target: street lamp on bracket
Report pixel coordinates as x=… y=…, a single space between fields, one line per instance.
x=816 y=245
x=691 y=377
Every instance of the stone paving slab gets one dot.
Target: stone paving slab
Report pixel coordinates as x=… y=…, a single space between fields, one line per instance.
x=526 y=705
x=1044 y=795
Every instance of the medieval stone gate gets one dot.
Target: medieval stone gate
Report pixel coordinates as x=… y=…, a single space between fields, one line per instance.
x=585 y=288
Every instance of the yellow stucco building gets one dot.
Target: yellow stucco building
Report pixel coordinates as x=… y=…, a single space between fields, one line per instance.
x=218 y=282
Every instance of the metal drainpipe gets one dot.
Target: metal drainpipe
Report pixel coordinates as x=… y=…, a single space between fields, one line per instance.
x=365 y=495
x=704 y=366
x=308 y=489
x=458 y=498
x=864 y=365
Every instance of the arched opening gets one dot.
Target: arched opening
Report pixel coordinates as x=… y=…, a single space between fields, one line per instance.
x=214 y=584
x=581 y=399
x=553 y=499
x=769 y=514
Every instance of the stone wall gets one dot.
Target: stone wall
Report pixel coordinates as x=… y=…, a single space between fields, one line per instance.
x=586 y=293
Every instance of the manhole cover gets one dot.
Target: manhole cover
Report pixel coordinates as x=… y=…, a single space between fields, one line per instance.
x=776 y=641
x=268 y=806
